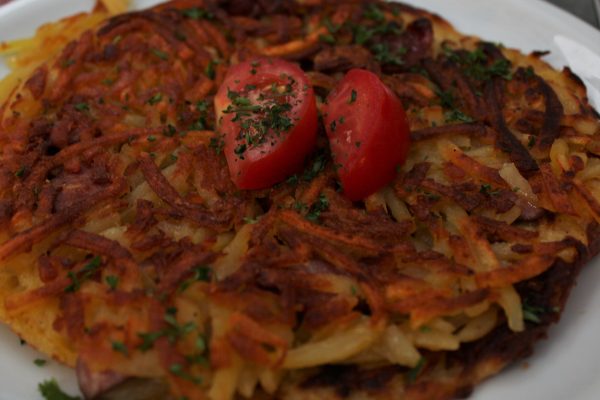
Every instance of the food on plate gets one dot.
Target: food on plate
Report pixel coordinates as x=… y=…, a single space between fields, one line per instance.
x=141 y=246
x=362 y=117
x=267 y=114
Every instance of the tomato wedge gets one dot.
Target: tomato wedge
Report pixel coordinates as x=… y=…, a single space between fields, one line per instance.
x=267 y=114
x=368 y=133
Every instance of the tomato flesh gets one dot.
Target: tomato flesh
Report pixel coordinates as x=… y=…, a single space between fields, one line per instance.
x=368 y=133
x=267 y=114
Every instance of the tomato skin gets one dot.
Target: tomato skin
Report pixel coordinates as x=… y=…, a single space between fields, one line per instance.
x=368 y=133
x=282 y=154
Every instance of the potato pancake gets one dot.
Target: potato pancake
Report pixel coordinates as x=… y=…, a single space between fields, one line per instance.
x=128 y=253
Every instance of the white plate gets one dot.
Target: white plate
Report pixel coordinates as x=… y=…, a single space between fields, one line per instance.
x=565 y=367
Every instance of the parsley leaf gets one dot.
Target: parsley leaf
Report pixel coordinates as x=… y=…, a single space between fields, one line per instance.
x=373 y=12
x=457 y=116
x=20 y=172
x=178 y=370
x=81 y=107
x=329 y=39
x=40 y=362
x=353 y=97
x=86 y=272
x=50 y=390
x=173 y=332
x=201 y=273
x=160 y=54
x=476 y=65
x=155 y=99
x=210 y=71
x=120 y=348
x=534 y=314
x=112 y=281
x=413 y=374
x=197 y=13
x=322 y=204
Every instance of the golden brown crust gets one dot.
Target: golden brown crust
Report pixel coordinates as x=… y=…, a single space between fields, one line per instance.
x=121 y=227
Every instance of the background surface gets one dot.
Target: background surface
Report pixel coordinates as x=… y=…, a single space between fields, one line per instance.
x=584 y=9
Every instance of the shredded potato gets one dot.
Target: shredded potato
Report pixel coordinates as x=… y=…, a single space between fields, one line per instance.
x=126 y=249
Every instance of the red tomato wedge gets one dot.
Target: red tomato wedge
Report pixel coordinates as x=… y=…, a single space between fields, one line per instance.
x=267 y=113
x=368 y=133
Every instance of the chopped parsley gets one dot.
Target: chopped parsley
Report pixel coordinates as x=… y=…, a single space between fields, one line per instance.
x=173 y=332
x=169 y=130
x=148 y=339
x=322 y=204
x=20 y=172
x=432 y=196
x=413 y=374
x=240 y=150
x=40 y=362
x=353 y=96
x=81 y=107
x=486 y=189
x=201 y=273
x=363 y=34
x=386 y=55
x=446 y=99
x=210 y=71
x=257 y=120
x=157 y=98
x=534 y=314
x=217 y=144
x=456 y=115
x=333 y=126
x=179 y=371
x=476 y=65
x=331 y=27
x=50 y=390
x=160 y=54
x=329 y=38
x=529 y=72
x=316 y=166
x=201 y=122
x=120 y=347
x=112 y=281
x=197 y=13
x=374 y=13
x=86 y=272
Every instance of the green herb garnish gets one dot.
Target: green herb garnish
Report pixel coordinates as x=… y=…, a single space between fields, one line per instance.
x=413 y=374
x=40 y=362
x=112 y=281
x=197 y=13
x=353 y=96
x=51 y=391
x=120 y=347
x=81 y=107
x=157 y=98
x=86 y=272
x=160 y=54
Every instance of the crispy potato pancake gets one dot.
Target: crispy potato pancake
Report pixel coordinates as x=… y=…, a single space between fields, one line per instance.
x=127 y=252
